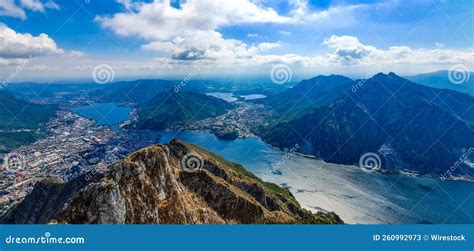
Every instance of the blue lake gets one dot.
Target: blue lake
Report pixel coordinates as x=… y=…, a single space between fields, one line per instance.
x=105 y=113
x=357 y=196
x=227 y=96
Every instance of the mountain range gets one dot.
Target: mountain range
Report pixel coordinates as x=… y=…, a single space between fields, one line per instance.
x=138 y=91
x=440 y=80
x=307 y=95
x=143 y=90
x=410 y=126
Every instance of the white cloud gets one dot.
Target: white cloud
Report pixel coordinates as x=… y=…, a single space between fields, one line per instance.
x=192 y=31
x=348 y=50
x=344 y=14
x=191 y=35
x=160 y=21
x=34 y=5
x=268 y=46
x=285 y=33
x=51 y=5
x=15 y=45
x=10 y=62
x=12 y=9
x=74 y=53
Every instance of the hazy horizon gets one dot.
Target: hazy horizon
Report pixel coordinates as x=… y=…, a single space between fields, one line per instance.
x=229 y=79
x=52 y=41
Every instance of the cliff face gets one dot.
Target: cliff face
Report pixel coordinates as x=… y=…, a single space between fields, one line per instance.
x=46 y=200
x=179 y=183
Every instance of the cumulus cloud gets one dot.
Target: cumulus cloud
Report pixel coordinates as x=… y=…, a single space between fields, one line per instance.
x=191 y=32
x=10 y=62
x=285 y=33
x=188 y=33
x=74 y=53
x=349 y=50
x=159 y=20
x=268 y=46
x=345 y=14
x=37 y=5
x=12 y=9
x=252 y=35
x=15 y=45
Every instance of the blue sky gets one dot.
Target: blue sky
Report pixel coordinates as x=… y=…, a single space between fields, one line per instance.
x=243 y=37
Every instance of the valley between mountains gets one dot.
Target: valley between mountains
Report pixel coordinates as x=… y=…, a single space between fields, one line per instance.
x=85 y=170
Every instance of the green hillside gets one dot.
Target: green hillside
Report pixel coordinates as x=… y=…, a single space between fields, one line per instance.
x=19 y=121
x=168 y=109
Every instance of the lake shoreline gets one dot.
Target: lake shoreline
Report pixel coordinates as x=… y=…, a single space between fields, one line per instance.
x=345 y=189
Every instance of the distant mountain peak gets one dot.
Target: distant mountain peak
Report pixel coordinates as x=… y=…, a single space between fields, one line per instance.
x=392 y=74
x=444 y=80
x=383 y=75
x=409 y=115
x=332 y=76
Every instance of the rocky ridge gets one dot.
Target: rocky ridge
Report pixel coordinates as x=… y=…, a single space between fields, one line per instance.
x=179 y=183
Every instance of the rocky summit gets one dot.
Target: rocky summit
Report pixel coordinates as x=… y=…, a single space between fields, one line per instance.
x=175 y=183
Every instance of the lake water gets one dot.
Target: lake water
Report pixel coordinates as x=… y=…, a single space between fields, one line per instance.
x=105 y=113
x=227 y=96
x=253 y=96
x=357 y=196
x=230 y=97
